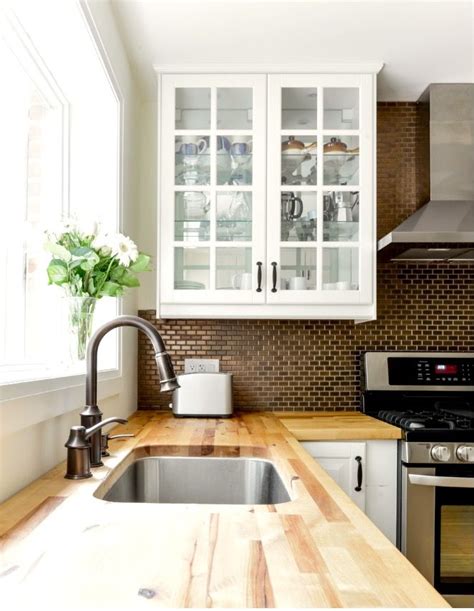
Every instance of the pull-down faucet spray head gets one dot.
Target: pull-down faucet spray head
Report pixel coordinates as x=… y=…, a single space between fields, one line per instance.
x=168 y=380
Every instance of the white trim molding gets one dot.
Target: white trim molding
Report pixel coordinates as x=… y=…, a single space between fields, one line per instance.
x=51 y=402
x=325 y=68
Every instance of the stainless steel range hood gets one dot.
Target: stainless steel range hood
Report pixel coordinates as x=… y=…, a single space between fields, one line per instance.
x=440 y=229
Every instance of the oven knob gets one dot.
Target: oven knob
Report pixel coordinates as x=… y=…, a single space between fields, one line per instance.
x=465 y=453
x=440 y=453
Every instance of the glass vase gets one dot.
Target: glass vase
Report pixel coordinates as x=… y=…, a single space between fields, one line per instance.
x=81 y=318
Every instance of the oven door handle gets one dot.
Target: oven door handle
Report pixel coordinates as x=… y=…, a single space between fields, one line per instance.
x=446 y=482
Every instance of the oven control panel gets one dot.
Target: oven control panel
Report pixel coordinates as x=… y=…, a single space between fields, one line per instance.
x=447 y=453
x=440 y=371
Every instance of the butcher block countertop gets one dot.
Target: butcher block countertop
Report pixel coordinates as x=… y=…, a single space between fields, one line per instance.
x=336 y=426
x=64 y=548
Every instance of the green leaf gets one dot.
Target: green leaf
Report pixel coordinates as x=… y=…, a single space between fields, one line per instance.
x=57 y=272
x=128 y=279
x=111 y=289
x=87 y=257
x=82 y=251
x=75 y=264
x=117 y=272
x=60 y=252
x=91 y=286
x=88 y=264
x=99 y=277
x=141 y=264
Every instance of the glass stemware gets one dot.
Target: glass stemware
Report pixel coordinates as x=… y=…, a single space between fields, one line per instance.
x=240 y=154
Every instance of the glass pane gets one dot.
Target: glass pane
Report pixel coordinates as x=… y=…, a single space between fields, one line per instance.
x=340 y=269
x=234 y=268
x=341 y=108
x=297 y=269
x=234 y=108
x=234 y=216
x=457 y=541
x=341 y=216
x=192 y=166
x=234 y=160
x=341 y=160
x=223 y=161
x=191 y=216
x=298 y=216
x=298 y=160
x=191 y=268
x=193 y=108
x=299 y=107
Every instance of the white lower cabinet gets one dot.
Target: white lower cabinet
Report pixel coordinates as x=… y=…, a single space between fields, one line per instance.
x=367 y=472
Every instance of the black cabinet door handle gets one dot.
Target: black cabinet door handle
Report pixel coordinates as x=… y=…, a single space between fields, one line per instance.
x=274 y=277
x=358 y=488
x=259 y=277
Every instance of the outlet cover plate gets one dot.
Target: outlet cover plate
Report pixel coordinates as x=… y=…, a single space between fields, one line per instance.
x=201 y=365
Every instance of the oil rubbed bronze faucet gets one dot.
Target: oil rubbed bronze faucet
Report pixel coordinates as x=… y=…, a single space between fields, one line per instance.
x=91 y=414
x=78 y=448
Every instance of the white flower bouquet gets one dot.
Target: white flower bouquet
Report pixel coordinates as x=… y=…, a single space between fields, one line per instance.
x=89 y=265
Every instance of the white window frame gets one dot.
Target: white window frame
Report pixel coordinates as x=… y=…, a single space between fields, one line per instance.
x=110 y=380
x=31 y=61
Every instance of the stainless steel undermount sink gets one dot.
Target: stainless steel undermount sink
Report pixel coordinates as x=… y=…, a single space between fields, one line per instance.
x=184 y=479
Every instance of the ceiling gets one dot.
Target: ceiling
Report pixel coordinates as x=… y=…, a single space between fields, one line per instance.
x=419 y=41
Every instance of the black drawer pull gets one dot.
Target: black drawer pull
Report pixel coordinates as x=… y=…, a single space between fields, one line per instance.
x=358 y=488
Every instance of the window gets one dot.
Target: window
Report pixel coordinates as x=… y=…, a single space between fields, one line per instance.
x=60 y=157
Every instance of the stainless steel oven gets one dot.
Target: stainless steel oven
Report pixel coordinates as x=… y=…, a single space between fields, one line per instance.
x=437 y=524
x=430 y=397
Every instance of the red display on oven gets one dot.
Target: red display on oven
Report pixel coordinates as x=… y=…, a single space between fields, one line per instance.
x=446 y=369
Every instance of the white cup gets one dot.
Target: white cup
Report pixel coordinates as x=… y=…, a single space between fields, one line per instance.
x=297 y=283
x=192 y=145
x=240 y=145
x=242 y=281
x=196 y=205
x=330 y=286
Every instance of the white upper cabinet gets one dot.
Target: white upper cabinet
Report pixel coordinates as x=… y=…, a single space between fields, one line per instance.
x=267 y=196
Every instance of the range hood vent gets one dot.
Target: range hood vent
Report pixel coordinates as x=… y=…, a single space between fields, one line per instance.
x=448 y=218
x=453 y=255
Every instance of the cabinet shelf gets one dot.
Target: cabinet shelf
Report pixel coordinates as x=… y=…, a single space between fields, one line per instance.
x=334 y=231
x=341 y=154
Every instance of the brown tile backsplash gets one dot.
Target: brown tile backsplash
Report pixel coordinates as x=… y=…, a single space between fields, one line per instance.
x=310 y=365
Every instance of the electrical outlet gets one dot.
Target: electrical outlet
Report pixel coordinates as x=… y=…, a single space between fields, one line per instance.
x=201 y=365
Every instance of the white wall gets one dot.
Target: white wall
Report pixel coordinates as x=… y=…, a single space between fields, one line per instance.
x=147 y=231
x=33 y=429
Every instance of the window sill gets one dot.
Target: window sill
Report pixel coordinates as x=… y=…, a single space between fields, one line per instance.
x=35 y=402
x=50 y=381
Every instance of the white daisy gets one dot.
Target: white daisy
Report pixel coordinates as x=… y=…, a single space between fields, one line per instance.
x=124 y=249
x=103 y=243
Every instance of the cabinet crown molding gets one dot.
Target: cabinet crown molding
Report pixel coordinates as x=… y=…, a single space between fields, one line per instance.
x=306 y=68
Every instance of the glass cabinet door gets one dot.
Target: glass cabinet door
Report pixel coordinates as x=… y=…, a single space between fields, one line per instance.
x=320 y=246
x=213 y=188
